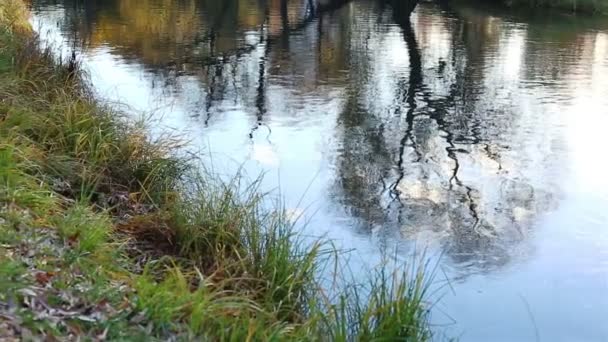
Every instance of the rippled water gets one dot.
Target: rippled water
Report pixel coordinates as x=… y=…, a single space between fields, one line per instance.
x=474 y=133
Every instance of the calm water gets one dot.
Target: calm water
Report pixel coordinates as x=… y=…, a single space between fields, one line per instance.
x=477 y=134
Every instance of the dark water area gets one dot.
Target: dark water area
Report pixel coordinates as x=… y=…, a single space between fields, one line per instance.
x=473 y=133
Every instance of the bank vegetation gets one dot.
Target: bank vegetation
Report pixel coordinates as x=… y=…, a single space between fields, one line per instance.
x=106 y=234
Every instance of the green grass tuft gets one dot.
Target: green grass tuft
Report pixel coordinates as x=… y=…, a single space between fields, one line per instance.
x=86 y=230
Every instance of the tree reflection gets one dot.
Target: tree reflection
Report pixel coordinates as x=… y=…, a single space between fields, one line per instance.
x=478 y=223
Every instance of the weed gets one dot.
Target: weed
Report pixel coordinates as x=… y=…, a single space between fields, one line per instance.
x=85 y=230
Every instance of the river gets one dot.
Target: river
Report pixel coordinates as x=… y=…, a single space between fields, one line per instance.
x=475 y=134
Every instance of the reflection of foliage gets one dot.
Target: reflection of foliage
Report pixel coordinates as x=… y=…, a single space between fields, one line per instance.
x=364 y=163
x=151 y=24
x=188 y=33
x=162 y=32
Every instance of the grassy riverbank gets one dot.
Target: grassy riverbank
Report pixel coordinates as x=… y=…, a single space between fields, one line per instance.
x=104 y=234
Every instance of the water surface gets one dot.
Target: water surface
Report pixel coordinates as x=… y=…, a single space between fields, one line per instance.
x=475 y=133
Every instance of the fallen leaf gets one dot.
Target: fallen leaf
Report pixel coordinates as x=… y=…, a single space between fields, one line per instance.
x=125 y=304
x=28 y=292
x=75 y=329
x=26 y=335
x=72 y=240
x=44 y=277
x=103 y=335
x=86 y=318
x=140 y=317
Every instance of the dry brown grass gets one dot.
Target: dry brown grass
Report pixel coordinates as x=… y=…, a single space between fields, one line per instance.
x=14 y=16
